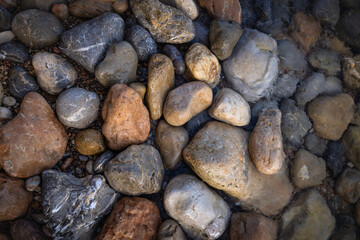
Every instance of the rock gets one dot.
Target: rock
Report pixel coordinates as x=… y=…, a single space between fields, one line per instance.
x=140 y=88
x=344 y=233
x=101 y=161
x=333 y=156
x=188 y=7
x=248 y=16
x=14 y=51
x=32 y=183
x=170 y=230
x=223 y=37
x=1 y=93
x=265 y=144
x=84 y=203
x=251 y=226
x=309 y=88
x=305 y=30
x=141 y=40
x=351 y=71
x=83 y=43
x=201 y=213
x=42 y=143
x=132 y=218
x=136 y=170
x=325 y=60
x=295 y=124
x=351 y=142
x=165 y=23
x=223 y=10
x=77 y=107
x=327 y=11
x=61 y=11
x=53 y=72
x=314 y=144
x=251 y=69
x=15 y=200
x=90 y=142
x=5 y=19
x=197 y=122
x=23 y=229
x=348 y=185
x=186 y=101
x=21 y=82
x=161 y=78
x=331 y=115
x=339 y=46
x=90 y=167
x=9 y=101
x=5 y=114
x=176 y=58
x=347 y=28
x=6 y=36
x=4 y=236
x=36 y=28
x=39 y=4
x=89 y=8
x=357 y=213
x=308 y=218
x=120 y=6
x=285 y=85
x=230 y=107
x=119 y=65
x=291 y=58
x=333 y=86
x=8 y=3
x=201 y=33
x=126 y=119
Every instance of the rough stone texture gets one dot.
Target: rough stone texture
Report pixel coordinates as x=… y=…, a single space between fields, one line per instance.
x=126 y=119
x=308 y=218
x=351 y=71
x=90 y=142
x=201 y=212
x=60 y=10
x=132 y=218
x=189 y=7
x=331 y=115
x=102 y=160
x=265 y=144
x=351 y=142
x=223 y=9
x=348 y=28
x=314 y=144
x=5 y=19
x=202 y=64
x=39 y=4
x=250 y=226
x=89 y=8
x=348 y=185
x=119 y=65
x=86 y=43
x=140 y=88
x=77 y=107
x=23 y=229
x=14 y=51
x=291 y=58
x=170 y=230
x=176 y=58
x=21 y=82
x=161 y=78
x=327 y=11
x=325 y=60
x=141 y=40
x=253 y=65
x=285 y=85
x=53 y=72
x=36 y=28
x=165 y=23
x=73 y=207
x=33 y=141
x=310 y=88
x=14 y=199
x=6 y=36
x=186 y=101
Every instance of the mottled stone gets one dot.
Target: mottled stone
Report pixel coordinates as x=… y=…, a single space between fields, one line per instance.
x=171 y=230
x=21 y=82
x=60 y=10
x=102 y=160
x=39 y=4
x=291 y=58
x=327 y=11
x=189 y=7
x=14 y=51
x=314 y=144
x=32 y=183
x=285 y=85
x=176 y=58
x=348 y=28
x=351 y=142
x=351 y=71
x=89 y=8
x=310 y=88
x=23 y=229
x=140 y=88
x=223 y=9
x=5 y=19
x=325 y=60
x=90 y=142
x=6 y=36
x=348 y=185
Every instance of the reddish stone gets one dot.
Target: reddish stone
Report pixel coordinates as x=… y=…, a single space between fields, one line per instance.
x=223 y=9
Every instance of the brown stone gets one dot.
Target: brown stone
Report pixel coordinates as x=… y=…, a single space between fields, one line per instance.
x=90 y=8
x=132 y=218
x=223 y=9
x=348 y=185
x=14 y=199
x=140 y=88
x=34 y=140
x=23 y=229
x=60 y=10
x=120 y=6
x=251 y=226
x=126 y=119
x=90 y=142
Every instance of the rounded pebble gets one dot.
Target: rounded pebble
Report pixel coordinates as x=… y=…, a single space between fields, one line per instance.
x=90 y=142
x=32 y=183
x=9 y=101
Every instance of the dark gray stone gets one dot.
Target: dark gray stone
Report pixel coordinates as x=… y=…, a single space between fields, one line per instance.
x=5 y=19
x=315 y=144
x=333 y=156
x=348 y=27
x=327 y=11
x=40 y=4
x=197 y=122
x=326 y=61
x=175 y=56
x=143 y=43
x=202 y=33
x=73 y=207
x=310 y=88
x=87 y=43
x=291 y=58
x=24 y=229
x=248 y=16
x=285 y=85
x=14 y=51
x=21 y=82
x=101 y=161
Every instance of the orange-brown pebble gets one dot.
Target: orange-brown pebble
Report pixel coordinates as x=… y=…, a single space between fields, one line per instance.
x=90 y=142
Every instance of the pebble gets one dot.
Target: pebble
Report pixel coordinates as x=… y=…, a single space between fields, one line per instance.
x=186 y=101
x=1 y=93
x=102 y=160
x=202 y=33
x=43 y=137
x=223 y=9
x=314 y=144
x=9 y=101
x=6 y=36
x=333 y=86
x=119 y=66
x=333 y=155
x=24 y=229
x=32 y=183
x=77 y=107
x=21 y=82
x=189 y=7
x=61 y=11
x=89 y=9
x=201 y=213
x=351 y=71
x=5 y=114
x=339 y=46
x=348 y=185
x=14 y=51
x=120 y=6
x=171 y=230
x=325 y=60
x=161 y=78
x=90 y=167
x=132 y=218
x=291 y=58
x=90 y=142
x=40 y=4
x=351 y=143
x=165 y=23
x=173 y=53
x=347 y=28
x=197 y=122
x=140 y=88
x=310 y=88
x=357 y=213
x=36 y=28
x=85 y=45
x=285 y=85
x=344 y=232
x=327 y=11
x=251 y=70
x=66 y=163
x=5 y=19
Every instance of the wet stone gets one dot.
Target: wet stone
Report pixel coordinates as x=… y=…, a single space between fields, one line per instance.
x=14 y=51
x=21 y=82
x=176 y=58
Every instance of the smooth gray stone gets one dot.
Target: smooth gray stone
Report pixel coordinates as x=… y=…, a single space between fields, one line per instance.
x=143 y=43
x=21 y=82
x=5 y=19
x=101 y=161
x=14 y=51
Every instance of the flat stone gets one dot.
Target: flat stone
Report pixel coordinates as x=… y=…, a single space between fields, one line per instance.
x=6 y=36
x=176 y=58
x=14 y=51
x=314 y=144
x=102 y=160
x=140 y=88
x=60 y=10
x=351 y=142
x=89 y=8
x=310 y=88
x=325 y=60
x=40 y=4
x=23 y=229
x=189 y=7
x=291 y=58
x=351 y=71
x=327 y=11
x=21 y=82
x=348 y=185
x=32 y=183
x=347 y=27
x=171 y=230
x=90 y=142
x=5 y=19
x=223 y=9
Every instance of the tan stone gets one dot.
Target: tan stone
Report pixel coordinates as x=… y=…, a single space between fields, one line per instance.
x=90 y=8
x=223 y=9
x=126 y=119
x=90 y=142
x=140 y=88
x=33 y=141
x=339 y=46
x=120 y=6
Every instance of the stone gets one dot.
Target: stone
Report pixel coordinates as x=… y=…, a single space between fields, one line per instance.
x=136 y=170
x=119 y=66
x=21 y=82
x=202 y=64
x=252 y=67
x=348 y=185
x=23 y=229
x=223 y=10
x=223 y=37
x=120 y=6
x=327 y=11
x=14 y=51
x=53 y=72
x=186 y=101
x=333 y=155
x=331 y=115
x=344 y=232
x=176 y=58
x=39 y=4
x=308 y=218
x=85 y=45
x=310 y=88
x=8 y=3
x=197 y=122
x=291 y=58
x=102 y=160
x=90 y=167
x=171 y=141
x=61 y=11
x=141 y=40
x=357 y=213
x=9 y=101
x=90 y=142
x=6 y=36
x=339 y=46
x=201 y=33
x=265 y=143
x=285 y=85
x=14 y=199
x=333 y=86
x=201 y=212
x=351 y=143
x=132 y=218
x=33 y=141
x=77 y=107
x=89 y=8
x=314 y=144
x=126 y=119
x=165 y=23
x=32 y=183
x=189 y=7
x=170 y=230
x=325 y=60
x=230 y=107
x=5 y=114
x=1 y=93
x=5 y=19
x=305 y=30
x=73 y=207
x=36 y=28
x=140 y=88
x=251 y=226
x=347 y=28
x=351 y=71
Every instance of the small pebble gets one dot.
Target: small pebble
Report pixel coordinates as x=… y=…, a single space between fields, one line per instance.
x=120 y=6
x=90 y=167
x=6 y=36
x=140 y=88
x=60 y=10
x=83 y=158
x=32 y=183
x=89 y=142
x=67 y=163
x=5 y=114
x=101 y=161
x=9 y=101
